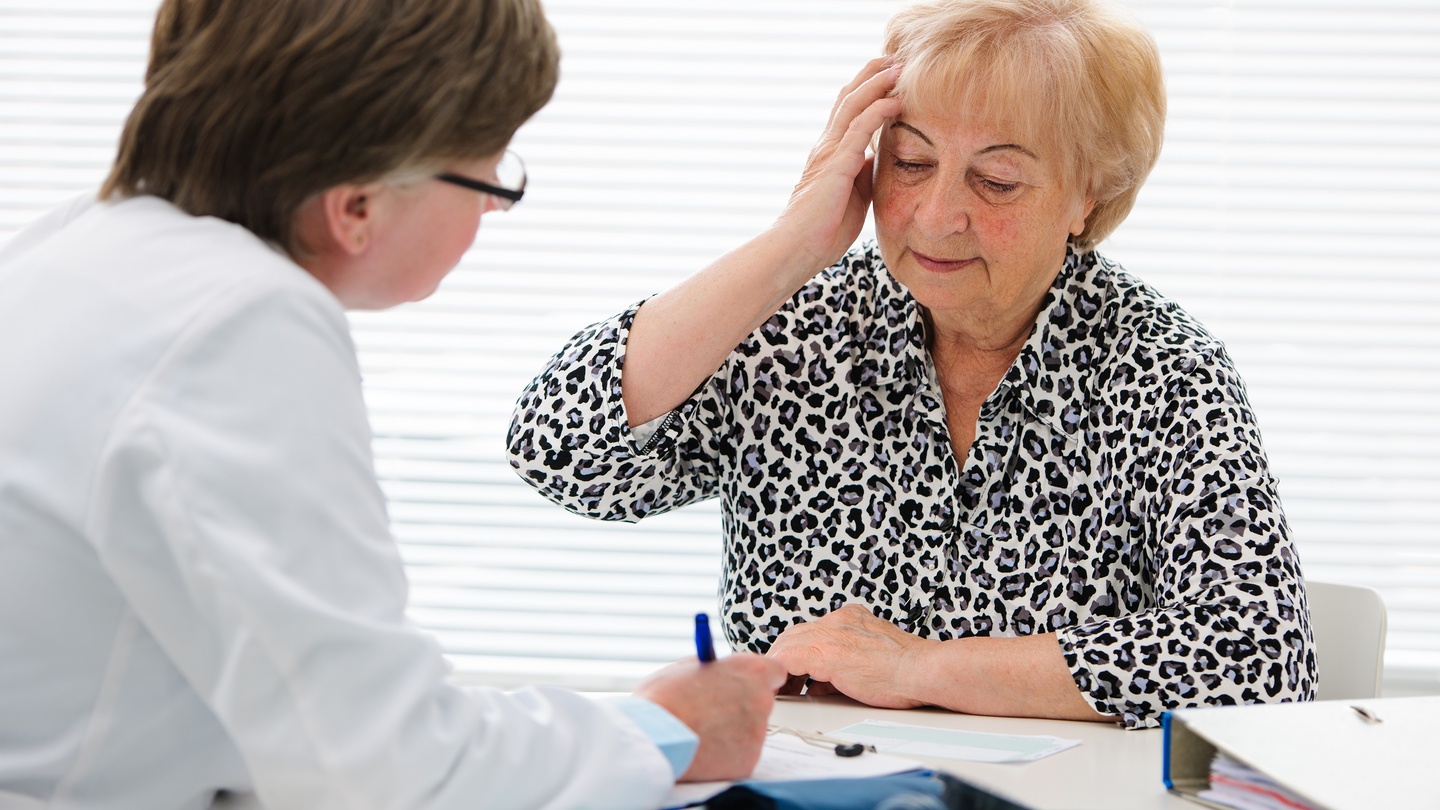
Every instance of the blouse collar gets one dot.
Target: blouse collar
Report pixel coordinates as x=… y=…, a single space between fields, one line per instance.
x=1053 y=371
x=1057 y=358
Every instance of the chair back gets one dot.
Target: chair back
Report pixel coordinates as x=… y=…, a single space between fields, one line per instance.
x=1349 y=626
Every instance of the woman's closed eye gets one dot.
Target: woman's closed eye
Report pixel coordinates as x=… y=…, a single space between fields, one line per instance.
x=910 y=167
x=993 y=189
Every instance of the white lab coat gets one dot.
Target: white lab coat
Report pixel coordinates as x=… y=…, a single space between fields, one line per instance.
x=198 y=586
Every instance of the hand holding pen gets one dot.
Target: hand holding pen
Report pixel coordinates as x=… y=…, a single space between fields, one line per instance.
x=725 y=701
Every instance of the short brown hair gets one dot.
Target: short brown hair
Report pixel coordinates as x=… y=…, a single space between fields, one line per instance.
x=252 y=106
x=1074 y=74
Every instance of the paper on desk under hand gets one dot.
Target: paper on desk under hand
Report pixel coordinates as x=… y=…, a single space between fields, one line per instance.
x=947 y=743
x=787 y=758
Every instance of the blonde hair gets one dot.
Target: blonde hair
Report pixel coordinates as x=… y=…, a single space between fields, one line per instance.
x=1075 y=75
x=251 y=107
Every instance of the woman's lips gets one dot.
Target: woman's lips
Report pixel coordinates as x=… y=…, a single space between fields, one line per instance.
x=937 y=265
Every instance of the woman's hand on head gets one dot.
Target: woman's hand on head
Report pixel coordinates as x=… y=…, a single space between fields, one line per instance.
x=828 y=207
x=681 y=337
x=852 y=652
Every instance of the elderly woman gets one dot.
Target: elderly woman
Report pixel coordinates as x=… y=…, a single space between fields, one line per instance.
x=199 y=594
x=975 y=464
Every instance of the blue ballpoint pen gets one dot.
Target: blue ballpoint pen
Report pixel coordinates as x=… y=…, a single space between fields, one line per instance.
x=704 y=646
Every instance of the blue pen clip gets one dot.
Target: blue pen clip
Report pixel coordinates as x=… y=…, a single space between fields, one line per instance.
x=704 y=645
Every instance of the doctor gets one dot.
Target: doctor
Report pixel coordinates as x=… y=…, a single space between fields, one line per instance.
x=199 y=593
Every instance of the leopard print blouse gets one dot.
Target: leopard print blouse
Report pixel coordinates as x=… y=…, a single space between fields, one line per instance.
x=1116 y=494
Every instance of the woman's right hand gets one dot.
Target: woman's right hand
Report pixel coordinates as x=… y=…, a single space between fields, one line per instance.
x=828 y=207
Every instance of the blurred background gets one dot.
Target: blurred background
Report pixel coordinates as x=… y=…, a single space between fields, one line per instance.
x=1295 y=211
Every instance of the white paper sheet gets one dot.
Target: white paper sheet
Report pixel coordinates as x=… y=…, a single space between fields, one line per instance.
x=786 y=757
x=944 y=743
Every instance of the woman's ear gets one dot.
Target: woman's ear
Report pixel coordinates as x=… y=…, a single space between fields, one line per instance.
x=1077 y=223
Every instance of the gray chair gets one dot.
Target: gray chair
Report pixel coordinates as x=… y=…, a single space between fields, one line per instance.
x=1349 y=625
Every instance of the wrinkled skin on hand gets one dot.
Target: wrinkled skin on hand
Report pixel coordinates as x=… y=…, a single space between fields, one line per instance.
x=852 y=652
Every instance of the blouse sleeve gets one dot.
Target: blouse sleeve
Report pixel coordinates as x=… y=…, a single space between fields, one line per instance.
x=1230 y=623
x=571 y=438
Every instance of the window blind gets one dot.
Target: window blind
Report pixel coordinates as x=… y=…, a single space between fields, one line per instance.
x=1295 y=211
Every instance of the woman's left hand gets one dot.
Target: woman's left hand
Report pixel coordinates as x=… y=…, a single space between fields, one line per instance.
x=852 y=652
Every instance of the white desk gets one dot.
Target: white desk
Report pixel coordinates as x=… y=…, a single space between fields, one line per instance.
x=1111 y=769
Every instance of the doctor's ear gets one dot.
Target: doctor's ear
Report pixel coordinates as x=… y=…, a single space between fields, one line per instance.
x=343 y=219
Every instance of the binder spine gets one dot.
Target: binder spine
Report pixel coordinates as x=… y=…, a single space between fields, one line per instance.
x=1165 y=751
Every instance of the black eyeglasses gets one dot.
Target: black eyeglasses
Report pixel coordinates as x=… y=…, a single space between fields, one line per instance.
x=509 y=184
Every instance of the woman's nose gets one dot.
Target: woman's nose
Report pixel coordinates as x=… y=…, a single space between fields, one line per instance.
x=943 y=209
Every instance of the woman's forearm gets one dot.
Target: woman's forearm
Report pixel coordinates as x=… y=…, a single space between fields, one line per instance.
x=1011 y=677
x=853 y=652
x=680 y=337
